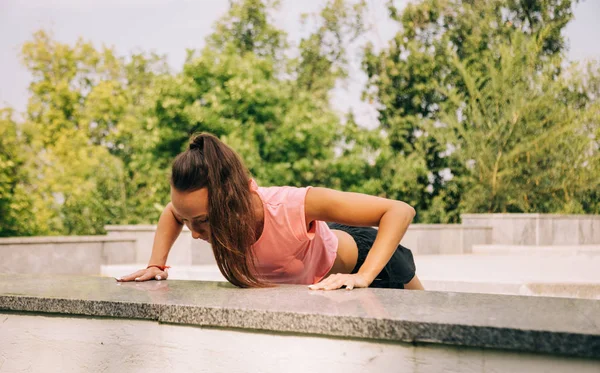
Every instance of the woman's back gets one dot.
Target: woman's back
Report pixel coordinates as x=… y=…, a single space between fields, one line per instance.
x=287 y=251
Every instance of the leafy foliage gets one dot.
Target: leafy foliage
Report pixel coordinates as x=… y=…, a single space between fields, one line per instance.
x=478 y=112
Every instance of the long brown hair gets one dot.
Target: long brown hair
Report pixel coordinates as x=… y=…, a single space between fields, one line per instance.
x=209 y=163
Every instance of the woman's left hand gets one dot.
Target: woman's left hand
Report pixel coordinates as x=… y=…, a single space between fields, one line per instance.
x=338 y=280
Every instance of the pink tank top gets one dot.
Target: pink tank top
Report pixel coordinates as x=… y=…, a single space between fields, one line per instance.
x=286 y=253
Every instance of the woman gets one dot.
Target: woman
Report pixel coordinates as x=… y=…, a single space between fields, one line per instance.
x=266 y=236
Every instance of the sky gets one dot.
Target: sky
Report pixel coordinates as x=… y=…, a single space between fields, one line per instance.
x=169 y=27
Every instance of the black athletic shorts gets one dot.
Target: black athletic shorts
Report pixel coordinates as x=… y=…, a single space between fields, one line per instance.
x=397 y=272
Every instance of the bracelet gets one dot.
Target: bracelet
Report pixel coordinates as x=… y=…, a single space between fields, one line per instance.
x=162 y=268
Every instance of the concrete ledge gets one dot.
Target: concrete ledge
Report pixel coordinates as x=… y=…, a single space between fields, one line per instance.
x=420 y=238
x=484 y=287
x=30 y=342
x=459 y=319
x=504 y=268
x=550 y=288
x=539 y=229
x=536 y=216
x=456 y=227
x=545 y=289
x=569 y=290
x=427 y=239
x=590 y=250
x=61 y=239
x=207 y=272
x=185 y=251
x=135 y=228
x=64 y=254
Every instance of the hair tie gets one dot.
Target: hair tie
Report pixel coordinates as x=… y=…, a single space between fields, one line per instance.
x=197 y=143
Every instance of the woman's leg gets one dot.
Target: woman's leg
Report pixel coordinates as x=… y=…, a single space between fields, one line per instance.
x=400 y=267
x=414 y=284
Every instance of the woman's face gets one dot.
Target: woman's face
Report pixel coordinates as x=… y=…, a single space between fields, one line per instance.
x=192 y=209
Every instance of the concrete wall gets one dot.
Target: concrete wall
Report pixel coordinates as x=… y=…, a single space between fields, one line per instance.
x=510 y=268
x=420 y=238
x=64 y=254
x=538 y=229
x=544 y=289
x=185 y=250
x=426 y=239
x=589 y=250
x=31 y=343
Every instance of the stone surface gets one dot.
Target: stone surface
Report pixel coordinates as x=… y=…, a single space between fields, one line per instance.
x=478 y=320
x=546 y=250
x=551 y=288
x=507 y=267
x=507 y=288
x=420 y=238
x=60 y=239
x=185 y=250
x=431 y=239
x=202 y=253
x=539 y=229
x=568 y=290
x=30 y=343
x=206 y=272
x=589 y=231
x=64 y=255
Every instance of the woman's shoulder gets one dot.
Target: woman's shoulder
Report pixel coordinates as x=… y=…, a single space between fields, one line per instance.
x=284 y=194
x=286 y=211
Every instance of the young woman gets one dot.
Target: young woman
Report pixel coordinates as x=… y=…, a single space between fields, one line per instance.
x=266 y=236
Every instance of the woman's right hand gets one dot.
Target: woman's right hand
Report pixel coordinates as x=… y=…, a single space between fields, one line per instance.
x=151 y=273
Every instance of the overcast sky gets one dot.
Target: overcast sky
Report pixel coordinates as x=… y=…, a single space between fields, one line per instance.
x=170 y=26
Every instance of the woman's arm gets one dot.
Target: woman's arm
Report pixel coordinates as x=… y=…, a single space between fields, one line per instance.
x=167 y=231
x=392 y=218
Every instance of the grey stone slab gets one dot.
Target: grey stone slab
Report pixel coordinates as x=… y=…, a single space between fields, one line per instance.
x=64 y=257
x=515 y=229
x=566 y=231
x=62 y=239
x=558 y=231
x=130 y=228
x=451 y=241
x=578 y=290
x=202 y=253
x=589 y=231
x=536 y=324
x=428 y=242
x=411 y=240
x=118 y=253
x=430 y=239
x=477 y=218
x=475 y=237
x=180 y=253
x=539 y=229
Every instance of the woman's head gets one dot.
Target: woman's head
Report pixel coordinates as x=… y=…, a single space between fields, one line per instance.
x=210 y=190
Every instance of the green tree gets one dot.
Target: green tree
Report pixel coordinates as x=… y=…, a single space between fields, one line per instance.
x=248 y=28
x=271 y=108
x=17 y=216
x=411 y=79
x=102 y=129
x=87 y=129
x=527 y=146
